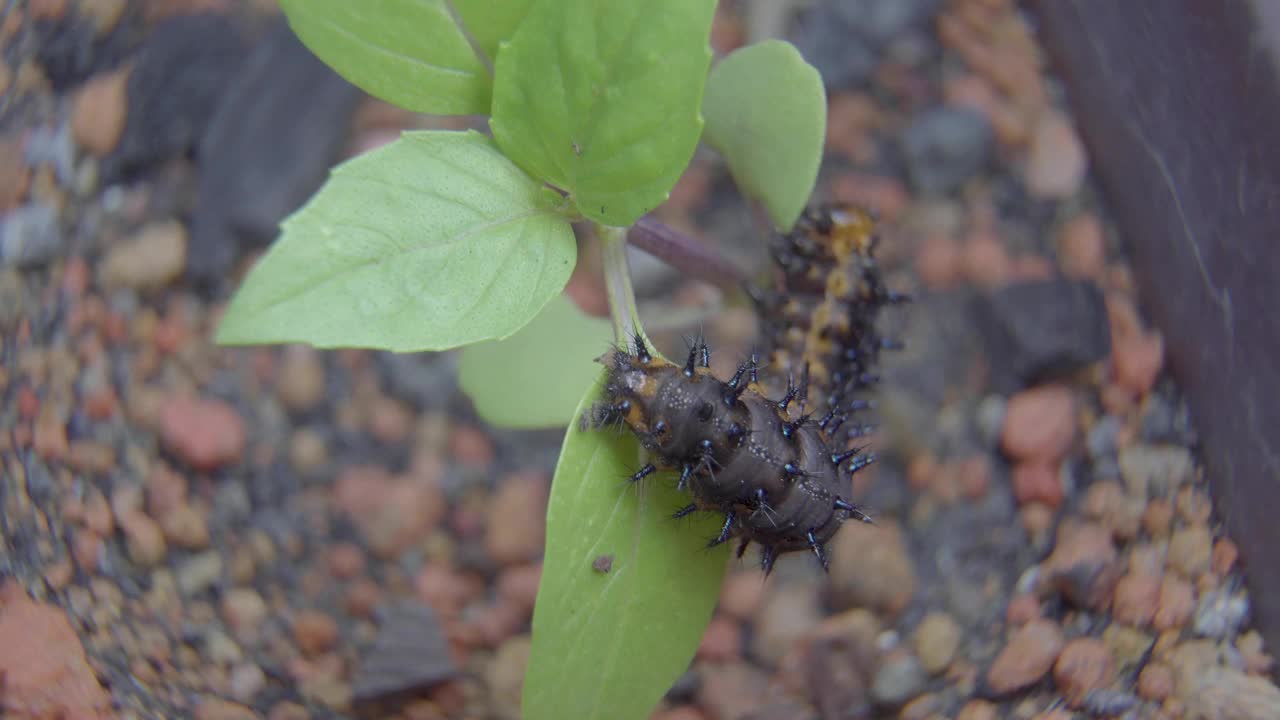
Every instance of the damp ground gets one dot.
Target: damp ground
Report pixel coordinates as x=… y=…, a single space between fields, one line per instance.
x=194 y=531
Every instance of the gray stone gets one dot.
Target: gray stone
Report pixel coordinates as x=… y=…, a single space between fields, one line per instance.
x=899 y=680
x=846 y=39
x=29 y=235
x=944 y=147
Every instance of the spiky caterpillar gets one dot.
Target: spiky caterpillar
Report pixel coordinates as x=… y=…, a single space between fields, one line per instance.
x=822 y=312
x=776 y=478
x=779 y=477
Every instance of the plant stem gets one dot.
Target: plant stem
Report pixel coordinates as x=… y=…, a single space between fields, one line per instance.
x=684 y=253
x=617 y=283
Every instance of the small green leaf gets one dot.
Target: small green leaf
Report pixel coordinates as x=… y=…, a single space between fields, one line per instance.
x=535 y=378
x=766 y=111
x=601 y=98
x=411 y=53
x=610 y=644
x=429 y=243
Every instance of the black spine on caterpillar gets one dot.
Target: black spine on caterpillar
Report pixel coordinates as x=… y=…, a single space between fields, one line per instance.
x=778 y=480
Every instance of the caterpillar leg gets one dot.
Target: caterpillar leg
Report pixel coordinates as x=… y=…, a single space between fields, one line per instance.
x=819 y=551
x=768 y=555
x=684 y=511
x=725 y=532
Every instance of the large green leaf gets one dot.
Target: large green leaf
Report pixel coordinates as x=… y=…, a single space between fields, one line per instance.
x=601 y=98
x=608 y=645
x=431 y=242
x=411 y=53
x=535 y=378
x=766 y=111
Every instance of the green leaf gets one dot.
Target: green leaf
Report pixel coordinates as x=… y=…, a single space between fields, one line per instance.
x=535 y=378
x=411 y=53
x=609 y=645
x=766 y=111
x=431 y=242
x=491 y=21
x=602 y=98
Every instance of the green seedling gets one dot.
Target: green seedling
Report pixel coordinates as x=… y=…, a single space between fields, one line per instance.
x=446 y=240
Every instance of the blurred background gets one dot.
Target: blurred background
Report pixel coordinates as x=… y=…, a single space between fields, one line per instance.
x=1072 y=466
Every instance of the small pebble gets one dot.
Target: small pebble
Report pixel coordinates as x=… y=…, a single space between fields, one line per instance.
x=1151 y=471
x=1039 y=424
x=871 y=567
x=936 y=641
x=1176 y=605
x=1157 y=518
x=504 y=677
x=1083 y=565
x=186 y=528
x=787 y=614
x=143 y=538
x=1138 y=361
x=721 y=641
x=938 y=262
x=1191 y=551
x=314 y=631
x=1084 y=666
x=741 y=593
x=1155 y=682
x=1220 y=614
x=469 y=445
x=518 y=586
x=308 y=452
x=286 y=710
x=205 y=433
x=1194 y=506
x=1027 y=657
x=1037 y=482
x=98 y=112
x=898 y=679
x=148 y=261
x=516 y=523
x=1057 y=162
x=986 y=261
x=29 y=235
x=243 y=610
x=300 y=381
x=978 y=710
x=213 y=708
x=346 y=560
x=246 y=681
x=1082 y=247
x=1135 y=599
x=199 y=573
x=1224 y=556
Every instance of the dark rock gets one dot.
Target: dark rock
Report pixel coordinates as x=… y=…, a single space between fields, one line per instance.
x=181 y=73
x=1040 y=330
x=845 y=39
x=70 y=50
x=267 y=149
x=410 y=656
x=945 y=147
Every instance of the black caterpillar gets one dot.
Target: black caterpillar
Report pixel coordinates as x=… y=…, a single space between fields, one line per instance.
x=780 y=474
